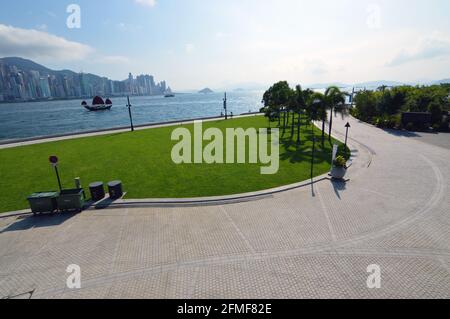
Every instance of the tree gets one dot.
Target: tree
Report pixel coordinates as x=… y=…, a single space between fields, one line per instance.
x=334 y=101
x=317 y=111
x=366 y=105
x=297 y=105
x=277 y=97
x=436 y=112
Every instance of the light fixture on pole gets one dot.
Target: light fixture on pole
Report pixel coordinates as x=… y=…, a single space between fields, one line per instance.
x=225 y=106
x=347 y=126
x=54 y=161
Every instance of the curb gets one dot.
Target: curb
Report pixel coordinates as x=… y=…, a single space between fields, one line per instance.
x=209 y=201
x=68 y=136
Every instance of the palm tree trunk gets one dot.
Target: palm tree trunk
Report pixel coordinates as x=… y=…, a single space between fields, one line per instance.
x=298 y=127
x=293 y=124
x=284 y=122
x=331 y=125
x=323 y=133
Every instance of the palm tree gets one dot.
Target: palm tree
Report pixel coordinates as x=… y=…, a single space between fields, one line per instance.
x=317 y=110
x=299 y=103
x=334 y=100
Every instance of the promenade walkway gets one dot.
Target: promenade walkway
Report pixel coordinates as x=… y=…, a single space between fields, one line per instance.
x=314 y=241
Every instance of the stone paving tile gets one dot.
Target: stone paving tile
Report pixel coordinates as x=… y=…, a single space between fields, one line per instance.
x=324 y=277
x=428 y=234
x=401 y=277
x=161 y=236
x=97 y=292
x=292 y=226
x=273 y=278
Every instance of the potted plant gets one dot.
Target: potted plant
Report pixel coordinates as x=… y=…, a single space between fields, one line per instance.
x=339 y=168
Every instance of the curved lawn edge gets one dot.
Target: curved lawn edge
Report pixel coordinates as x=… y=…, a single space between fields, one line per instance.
x=238 y=197
x=295 y=161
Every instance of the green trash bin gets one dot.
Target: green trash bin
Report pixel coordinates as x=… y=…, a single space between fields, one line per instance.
x=71 y=200
x=43 y=202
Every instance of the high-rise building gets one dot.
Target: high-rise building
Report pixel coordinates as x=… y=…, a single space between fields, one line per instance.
x=19 y=83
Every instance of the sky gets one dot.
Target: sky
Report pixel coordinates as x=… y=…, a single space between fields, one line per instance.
x=194 y=44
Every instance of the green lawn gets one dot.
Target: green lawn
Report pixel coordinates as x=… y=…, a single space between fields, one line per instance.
x=142 y=160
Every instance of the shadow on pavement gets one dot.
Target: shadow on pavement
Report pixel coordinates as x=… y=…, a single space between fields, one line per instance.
x=401 y=133
x=38 y=221
x=339 y=186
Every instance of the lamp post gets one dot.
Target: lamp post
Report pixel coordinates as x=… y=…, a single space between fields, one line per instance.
x=225 y=106
x=129 y=112
x=347 y=126
x=54 y=161
x=313 y=155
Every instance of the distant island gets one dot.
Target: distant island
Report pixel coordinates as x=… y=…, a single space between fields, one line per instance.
x=206 y=91
x=23 y=80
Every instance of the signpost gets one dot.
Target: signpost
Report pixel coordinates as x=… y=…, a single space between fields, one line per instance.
x=129 y=112
x=54 y=161
x=346 y=133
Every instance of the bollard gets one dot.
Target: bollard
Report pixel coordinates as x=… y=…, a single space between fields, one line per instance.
x=78 y=183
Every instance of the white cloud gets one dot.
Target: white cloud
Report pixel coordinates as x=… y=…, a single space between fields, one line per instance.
x=430 y=47
x=30 y=43
x=189 y=48
x=146 y=3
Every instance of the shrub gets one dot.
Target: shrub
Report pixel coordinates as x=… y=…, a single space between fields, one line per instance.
x=436 y=112
x=340 y=161
x=344 y=151
x=436 y=127
x=445 y=124
x=396 y=121
x=410 y=126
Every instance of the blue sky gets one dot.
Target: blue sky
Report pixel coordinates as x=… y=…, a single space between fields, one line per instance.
x=217 y=43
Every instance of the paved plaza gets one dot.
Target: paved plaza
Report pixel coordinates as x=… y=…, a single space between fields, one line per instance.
x=314 y=241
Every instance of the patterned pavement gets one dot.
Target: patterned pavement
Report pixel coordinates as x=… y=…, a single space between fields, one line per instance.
x=311 y=242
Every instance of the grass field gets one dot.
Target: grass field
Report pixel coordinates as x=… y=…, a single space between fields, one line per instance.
x=142 y=160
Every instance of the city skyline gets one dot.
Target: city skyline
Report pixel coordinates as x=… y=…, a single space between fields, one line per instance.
x=24 y=80
x=194 y=44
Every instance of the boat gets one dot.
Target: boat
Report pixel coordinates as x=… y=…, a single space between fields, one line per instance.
x=98 y=104
x=169 y=93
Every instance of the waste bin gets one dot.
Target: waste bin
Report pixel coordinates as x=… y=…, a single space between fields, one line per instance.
x=43 y=202
x=97 y=191
x=115 y=189
x=71 y=199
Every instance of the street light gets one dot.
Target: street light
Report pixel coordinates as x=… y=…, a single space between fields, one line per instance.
x=225 y=106
x=129 y=112
x=347 y=126
x=54 y=161
x=313 y=155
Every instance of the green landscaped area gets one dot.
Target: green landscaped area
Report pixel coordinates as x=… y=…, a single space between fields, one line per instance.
x=142 y=161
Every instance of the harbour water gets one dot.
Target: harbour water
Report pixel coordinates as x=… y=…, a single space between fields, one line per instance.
x=35 y=119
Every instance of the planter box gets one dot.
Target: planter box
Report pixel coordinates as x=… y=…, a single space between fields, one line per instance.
x=43 y=202
x=71 y=199
x=338 y=172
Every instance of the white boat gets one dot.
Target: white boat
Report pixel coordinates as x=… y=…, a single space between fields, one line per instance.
x=169 y=93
